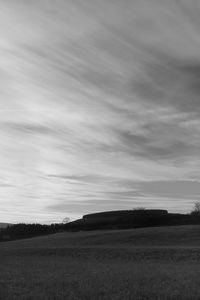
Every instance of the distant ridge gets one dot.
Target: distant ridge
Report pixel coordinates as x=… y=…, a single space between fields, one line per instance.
x=123 y=219
x=126 y=213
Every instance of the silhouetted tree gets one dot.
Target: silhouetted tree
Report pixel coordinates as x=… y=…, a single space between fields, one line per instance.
x=196 y=209
x=66 y=220
x=21 y=231
x=139 y=208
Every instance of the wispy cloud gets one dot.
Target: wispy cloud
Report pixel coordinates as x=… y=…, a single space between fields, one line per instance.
x=99 y=107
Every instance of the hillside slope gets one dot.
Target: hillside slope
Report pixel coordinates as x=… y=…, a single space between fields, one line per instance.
x=172 y=236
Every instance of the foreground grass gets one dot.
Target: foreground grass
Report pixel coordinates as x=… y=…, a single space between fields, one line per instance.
x=44 y=268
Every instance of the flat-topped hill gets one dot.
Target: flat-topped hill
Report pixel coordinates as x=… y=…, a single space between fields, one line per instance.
x=126 y=213
x=131 y=219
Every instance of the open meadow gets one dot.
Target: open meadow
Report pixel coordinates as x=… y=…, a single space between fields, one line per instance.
x=145 y=263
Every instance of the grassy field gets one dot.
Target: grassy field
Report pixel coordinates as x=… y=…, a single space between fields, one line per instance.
x=146 y=263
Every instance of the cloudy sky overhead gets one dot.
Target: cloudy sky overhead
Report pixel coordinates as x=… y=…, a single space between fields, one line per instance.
x=99 y=107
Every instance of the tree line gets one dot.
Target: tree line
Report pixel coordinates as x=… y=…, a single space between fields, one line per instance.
x=21 y=231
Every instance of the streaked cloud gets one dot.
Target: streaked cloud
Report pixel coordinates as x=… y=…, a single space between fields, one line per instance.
x=99 y=107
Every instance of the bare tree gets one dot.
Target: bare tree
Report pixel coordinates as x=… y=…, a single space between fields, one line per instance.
x=139 y=208
x=66 y=220
x=196 y=209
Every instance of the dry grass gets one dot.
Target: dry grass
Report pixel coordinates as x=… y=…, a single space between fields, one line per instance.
x=60 y=267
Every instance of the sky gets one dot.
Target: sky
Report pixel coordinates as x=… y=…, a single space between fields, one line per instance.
x=99 y=107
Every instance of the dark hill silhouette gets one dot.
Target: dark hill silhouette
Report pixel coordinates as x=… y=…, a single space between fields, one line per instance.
x=119 y=219
x=131 y=219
